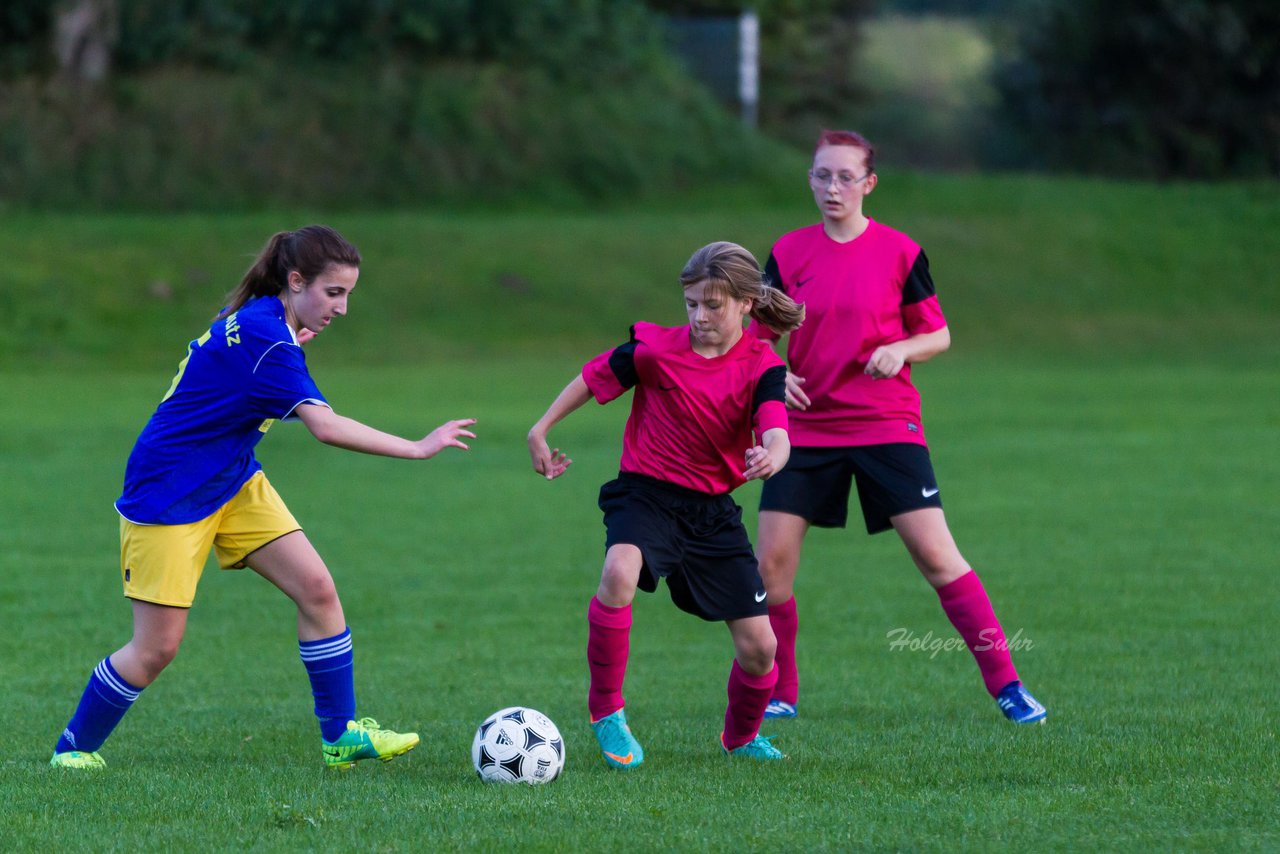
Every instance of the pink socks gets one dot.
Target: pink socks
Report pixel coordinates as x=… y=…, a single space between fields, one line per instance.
x=608 y=645
x=785 y=623
x=748 y=695
x=969 y=609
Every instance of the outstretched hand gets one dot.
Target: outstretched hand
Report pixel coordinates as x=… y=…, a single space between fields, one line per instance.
x=547 y=461
x=447 y=435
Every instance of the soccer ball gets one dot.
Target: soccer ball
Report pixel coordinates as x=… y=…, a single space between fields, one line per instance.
x=518 y=745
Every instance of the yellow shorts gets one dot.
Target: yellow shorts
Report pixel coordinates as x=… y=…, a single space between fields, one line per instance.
x=163 y=563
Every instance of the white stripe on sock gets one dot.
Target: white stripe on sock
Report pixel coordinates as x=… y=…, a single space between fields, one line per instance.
x=318 y=652
x=117 y=685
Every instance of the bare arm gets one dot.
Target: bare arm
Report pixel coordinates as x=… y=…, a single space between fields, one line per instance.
x=888 y=359
x=343 y=432
x=548 y=462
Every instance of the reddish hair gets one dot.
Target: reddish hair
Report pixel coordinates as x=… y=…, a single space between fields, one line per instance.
x=850 y=138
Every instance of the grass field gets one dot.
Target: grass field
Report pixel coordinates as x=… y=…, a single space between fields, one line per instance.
x=1104 y=432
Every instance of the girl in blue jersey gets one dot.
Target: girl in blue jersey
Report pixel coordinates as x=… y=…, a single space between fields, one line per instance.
x=192 y=483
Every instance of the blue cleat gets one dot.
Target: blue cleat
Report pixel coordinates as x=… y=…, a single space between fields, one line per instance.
x=779 y=709
x=1019 y=706
x=619 y=746
x=760 y=747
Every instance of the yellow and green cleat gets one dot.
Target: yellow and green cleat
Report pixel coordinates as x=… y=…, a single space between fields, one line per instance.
x=79 y=760
x=364 y=739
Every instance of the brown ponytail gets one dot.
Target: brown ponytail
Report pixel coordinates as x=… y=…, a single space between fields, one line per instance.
x=310 y=250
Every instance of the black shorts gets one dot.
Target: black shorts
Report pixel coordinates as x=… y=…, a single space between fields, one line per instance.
x=893 y=478
x=695 y=541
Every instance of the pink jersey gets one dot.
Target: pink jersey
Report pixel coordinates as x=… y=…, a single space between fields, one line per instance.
x=691 y=417
x=873 y=290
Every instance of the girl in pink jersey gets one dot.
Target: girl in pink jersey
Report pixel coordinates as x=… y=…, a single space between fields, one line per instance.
x=700 y=392
x=871 y=314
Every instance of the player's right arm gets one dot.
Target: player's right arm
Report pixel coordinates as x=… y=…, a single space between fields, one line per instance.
x=343 y=432
x=547 y=461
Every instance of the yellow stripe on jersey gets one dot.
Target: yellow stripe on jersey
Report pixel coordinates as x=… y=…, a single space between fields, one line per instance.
x=182 y=366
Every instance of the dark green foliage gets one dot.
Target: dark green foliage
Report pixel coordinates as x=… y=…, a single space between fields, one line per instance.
x=336 y=136
x=25 y=26
x=554 y=34
x=568 y=38
x=959 y=8
x=1186 y=88
x=807 y=52
x=253 y=103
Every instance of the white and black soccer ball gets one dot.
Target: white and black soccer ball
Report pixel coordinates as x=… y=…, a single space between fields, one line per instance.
x=518 y=745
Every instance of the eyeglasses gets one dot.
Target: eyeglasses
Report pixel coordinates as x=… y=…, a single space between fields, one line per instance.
x=823 y=178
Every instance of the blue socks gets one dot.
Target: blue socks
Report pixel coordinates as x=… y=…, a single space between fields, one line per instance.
x=330 y=665
x=105 y=700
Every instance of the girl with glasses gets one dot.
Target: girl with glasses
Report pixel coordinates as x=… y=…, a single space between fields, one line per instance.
x=855 y=415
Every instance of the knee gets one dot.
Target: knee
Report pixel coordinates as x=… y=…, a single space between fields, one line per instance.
x=940 y=565
x=154 y=656
x=318 y=594
x=774 y=560
x=618 y=582
x=755 y=654
x=778 y=571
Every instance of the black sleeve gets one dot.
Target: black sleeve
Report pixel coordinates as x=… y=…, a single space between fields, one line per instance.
x=919 y=284
x=772 y=276
x=772 y=386
x=623 y=362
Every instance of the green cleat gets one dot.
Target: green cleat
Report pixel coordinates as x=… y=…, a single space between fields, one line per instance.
x=760 y=747
x=79 y=760
x=365 y=740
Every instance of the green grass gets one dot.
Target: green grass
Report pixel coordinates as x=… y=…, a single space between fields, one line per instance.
x=1104 y=431
x=1050 y=268
x=1126 y=542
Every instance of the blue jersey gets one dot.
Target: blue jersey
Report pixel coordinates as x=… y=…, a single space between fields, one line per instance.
x=197 y=450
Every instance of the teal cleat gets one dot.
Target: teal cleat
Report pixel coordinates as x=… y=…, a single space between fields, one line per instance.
x=619 y=746
x=760 y=747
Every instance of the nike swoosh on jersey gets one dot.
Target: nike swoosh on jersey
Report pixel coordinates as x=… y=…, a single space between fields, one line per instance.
x=929 y=493
x=760 y=596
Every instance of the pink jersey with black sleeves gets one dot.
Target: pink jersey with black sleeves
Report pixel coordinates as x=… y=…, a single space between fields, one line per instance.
x=871 y=291
x=691 y=417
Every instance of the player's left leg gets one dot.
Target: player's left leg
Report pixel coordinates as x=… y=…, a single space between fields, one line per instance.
x=967 y=606
x=292 y=564
x=751 y=682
